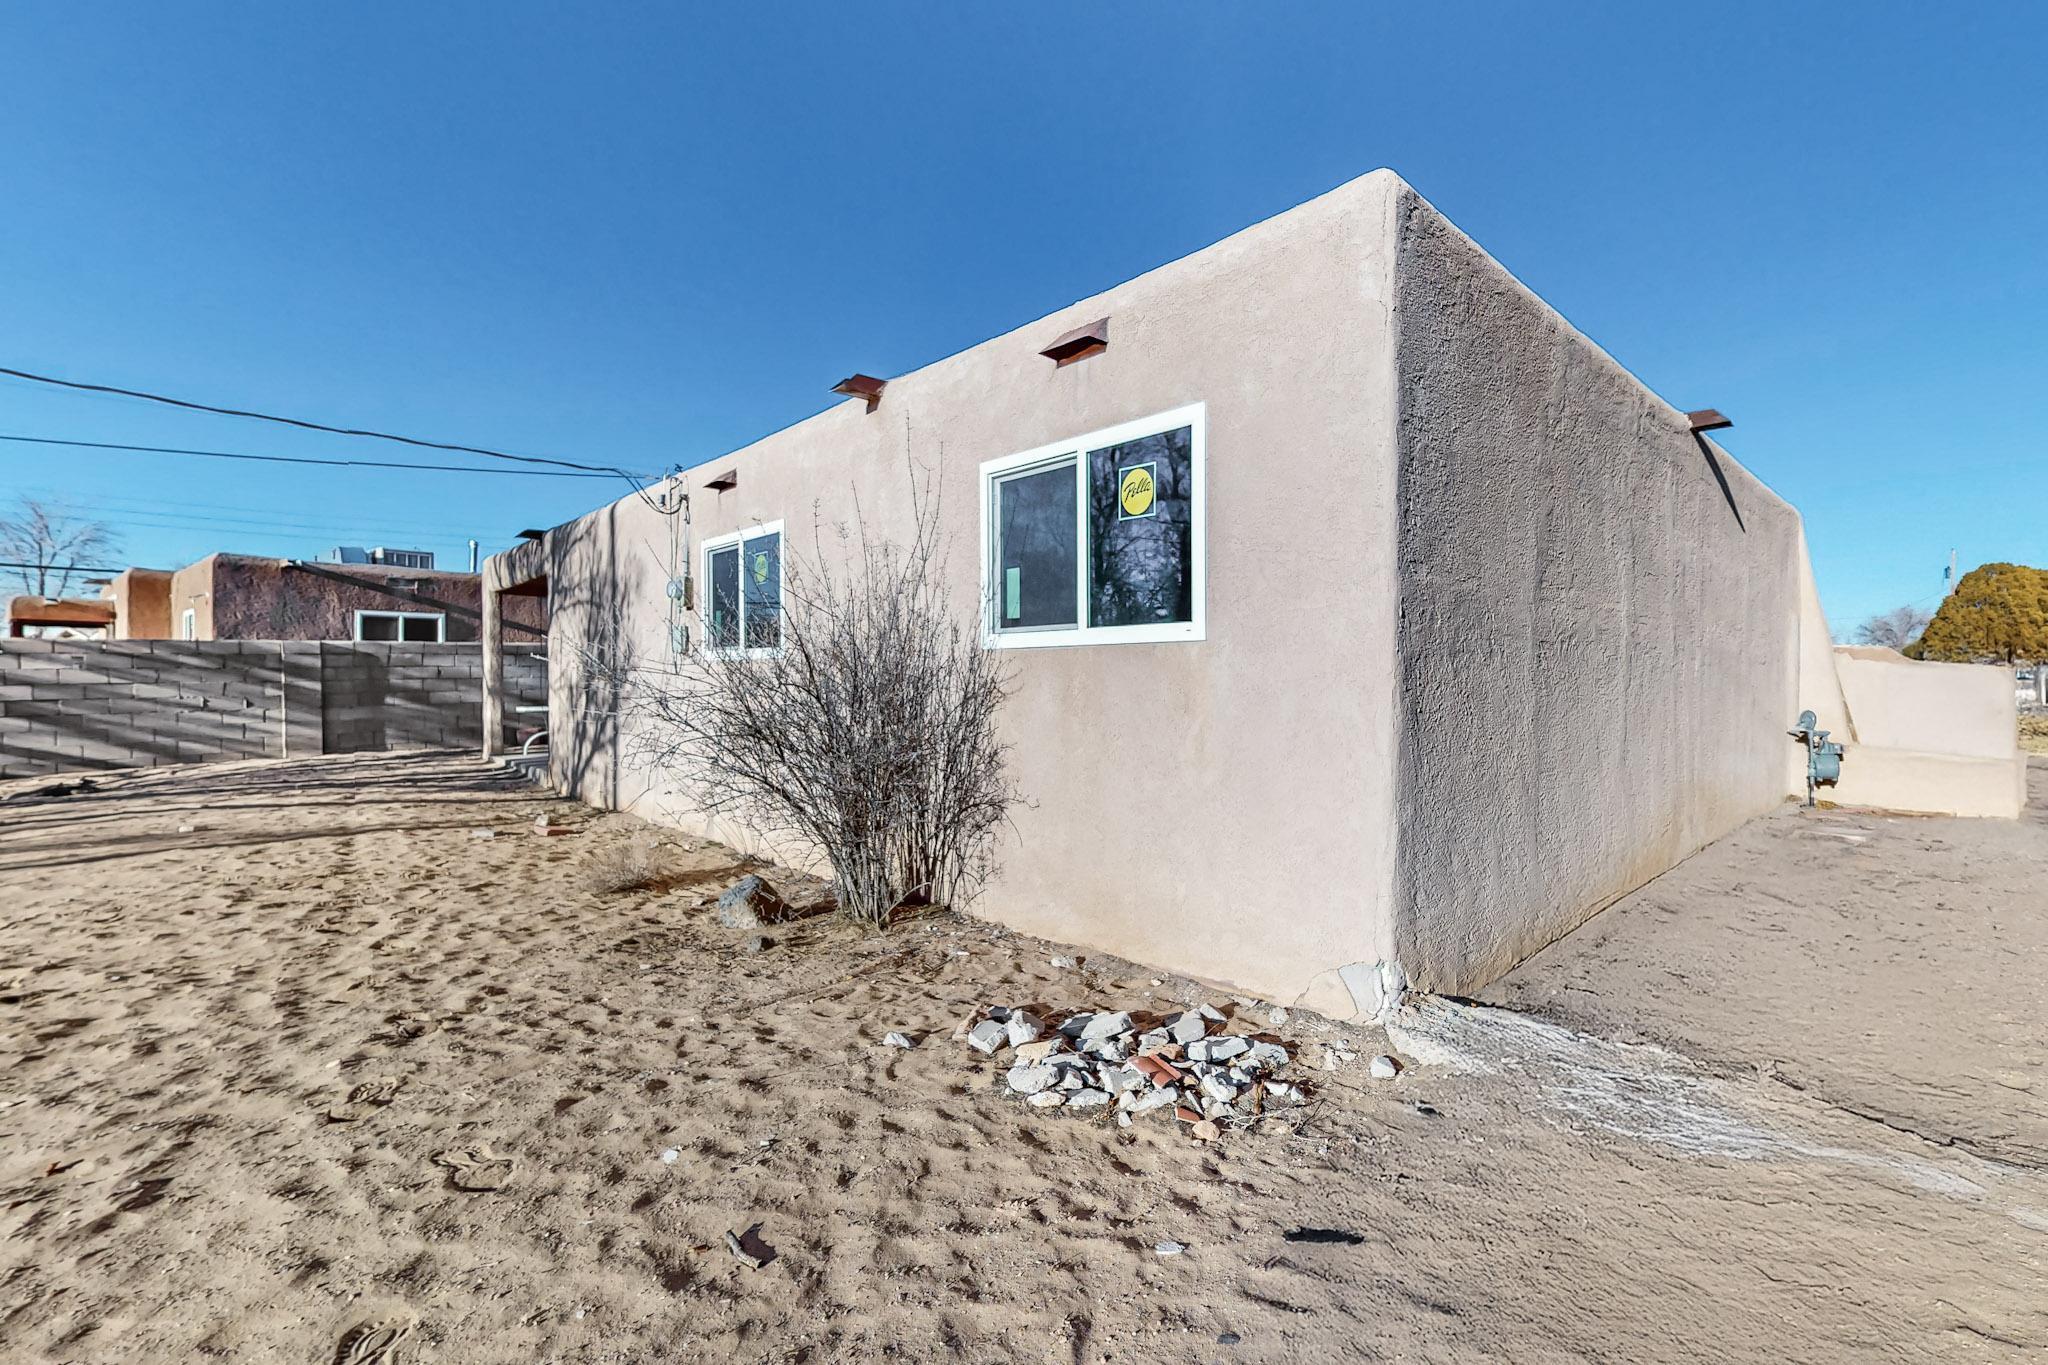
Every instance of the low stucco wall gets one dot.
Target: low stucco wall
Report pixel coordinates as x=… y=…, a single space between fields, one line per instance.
x=1917 y=782
x=1928 y=738
x=1901 y=703
x=1599 y=623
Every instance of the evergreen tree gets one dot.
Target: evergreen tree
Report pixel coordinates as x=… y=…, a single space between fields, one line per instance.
x=1998 y=611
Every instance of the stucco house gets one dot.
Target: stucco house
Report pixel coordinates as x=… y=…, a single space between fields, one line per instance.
x=1372 y=627
x=252 y=597
x=58 y=618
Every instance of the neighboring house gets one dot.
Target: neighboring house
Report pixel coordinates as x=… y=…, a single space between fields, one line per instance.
x=142 y=604
x=58 y=618
x=247 y=597
x=1368 y=624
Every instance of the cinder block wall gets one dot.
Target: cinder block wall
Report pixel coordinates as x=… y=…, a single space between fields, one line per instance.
x=67 y=705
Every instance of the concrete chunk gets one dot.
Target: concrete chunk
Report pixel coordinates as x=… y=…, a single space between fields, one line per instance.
x=1155 y=1099
x=1218 y=1049
x=1105 y=1026
x=1030 y=1080
x=986 y=1037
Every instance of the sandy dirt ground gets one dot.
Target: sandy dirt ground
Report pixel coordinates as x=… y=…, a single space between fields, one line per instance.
x=197 y=965
x=1896 y=966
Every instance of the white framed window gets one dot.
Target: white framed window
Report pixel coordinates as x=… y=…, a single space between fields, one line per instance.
x=412 y=627
x=1101 y=539
x=404 y=559
x=743 y=591
x=188 y=624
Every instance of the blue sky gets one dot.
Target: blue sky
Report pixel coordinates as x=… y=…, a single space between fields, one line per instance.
x=644 y=234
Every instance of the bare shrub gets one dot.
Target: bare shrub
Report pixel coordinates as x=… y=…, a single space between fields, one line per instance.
x=622 y=867
x=868 y=734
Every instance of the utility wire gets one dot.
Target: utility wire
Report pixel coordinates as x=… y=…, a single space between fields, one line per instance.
x=133 y=511
x=59 y=568
x=315 y=426
x=307 y=459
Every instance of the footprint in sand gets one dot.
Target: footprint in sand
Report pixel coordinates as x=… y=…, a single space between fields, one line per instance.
x=477 y=1168
x=372 y=1343
x=366 y=1099
x=409 y=1026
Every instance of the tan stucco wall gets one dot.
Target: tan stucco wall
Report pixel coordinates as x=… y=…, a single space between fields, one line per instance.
x=1258 y=762
x=1492 y=638
x=1901 y=703
x=1929 y=738
x=1599 y=613
x=192 y=586
x=1819 y=687
x=1918 y=782
x=142 y=604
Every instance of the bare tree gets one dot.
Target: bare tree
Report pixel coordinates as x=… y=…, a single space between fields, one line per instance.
x=1894 y=629
x=856 y=718
x=49 y=543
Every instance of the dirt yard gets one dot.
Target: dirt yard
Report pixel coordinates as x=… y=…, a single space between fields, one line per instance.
x=1673 y=1158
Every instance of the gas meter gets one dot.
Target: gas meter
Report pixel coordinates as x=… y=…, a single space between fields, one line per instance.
x=1823 y=755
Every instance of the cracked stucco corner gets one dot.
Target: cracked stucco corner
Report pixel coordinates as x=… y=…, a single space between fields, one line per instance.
x=1367 y=991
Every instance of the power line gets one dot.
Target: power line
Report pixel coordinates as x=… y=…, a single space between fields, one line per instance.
x=149 y=511
x=307 y=459
x=59 y=568
x=303 y=424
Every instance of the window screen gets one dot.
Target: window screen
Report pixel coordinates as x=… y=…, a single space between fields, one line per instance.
x=1140 y=500
x=761 y=590
x=1037 y=554
x=725 y=597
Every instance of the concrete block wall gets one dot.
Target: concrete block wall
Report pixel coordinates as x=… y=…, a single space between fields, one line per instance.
x=407 y=696
x=70 y=705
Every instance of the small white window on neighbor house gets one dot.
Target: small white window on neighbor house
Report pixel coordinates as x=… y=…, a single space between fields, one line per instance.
x=412 y=627
x=188 y=624
x=743 y=607
x=1098 y=539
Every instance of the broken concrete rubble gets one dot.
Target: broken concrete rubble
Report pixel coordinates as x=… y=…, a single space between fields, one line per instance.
x=1023 y=1027
x=1108 y=1060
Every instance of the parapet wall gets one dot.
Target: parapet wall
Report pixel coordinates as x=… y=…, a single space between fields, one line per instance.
x=71 y=705
x=1928 y=738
